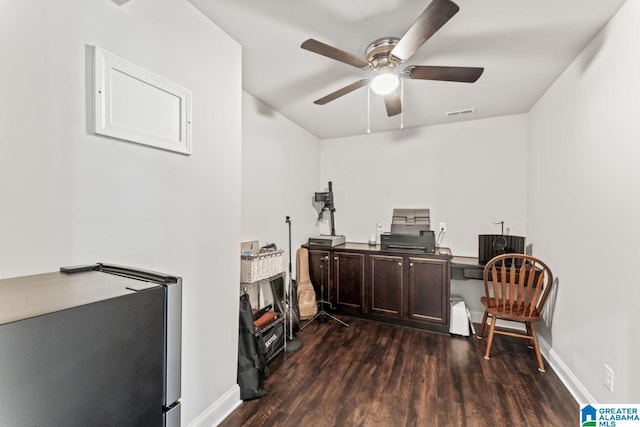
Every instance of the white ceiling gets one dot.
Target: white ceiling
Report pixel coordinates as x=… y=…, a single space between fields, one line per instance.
x=524 y=45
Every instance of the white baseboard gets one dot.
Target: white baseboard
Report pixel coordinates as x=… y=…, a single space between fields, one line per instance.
x=573 y=385
x=220 y=409
x=476 y=316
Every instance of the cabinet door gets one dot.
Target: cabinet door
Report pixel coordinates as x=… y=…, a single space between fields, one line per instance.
x=320 y=272
x=428 y=290
x=386 y=285
x=349 y=280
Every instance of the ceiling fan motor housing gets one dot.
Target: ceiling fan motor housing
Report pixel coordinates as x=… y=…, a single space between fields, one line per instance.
x=378 y=53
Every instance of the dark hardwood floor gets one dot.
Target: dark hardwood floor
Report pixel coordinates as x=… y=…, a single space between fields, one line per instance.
x=372 y=374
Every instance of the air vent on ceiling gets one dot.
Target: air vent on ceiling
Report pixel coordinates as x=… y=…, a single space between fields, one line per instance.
x=460 y=112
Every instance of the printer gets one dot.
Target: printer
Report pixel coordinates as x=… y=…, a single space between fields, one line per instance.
x=410 y=232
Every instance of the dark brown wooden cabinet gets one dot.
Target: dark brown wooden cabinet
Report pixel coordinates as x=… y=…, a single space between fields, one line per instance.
x=348 y=280
x=428 y=299
x=403 y=288
x=386 y=290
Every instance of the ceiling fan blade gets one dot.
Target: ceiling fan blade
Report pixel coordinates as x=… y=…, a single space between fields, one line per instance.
x=393 y=102
x=324 y=49
x=431 y=20
x=450 y=74
x=340 y=92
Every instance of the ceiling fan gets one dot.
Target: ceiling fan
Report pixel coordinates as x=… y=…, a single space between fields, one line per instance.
x=385 y=54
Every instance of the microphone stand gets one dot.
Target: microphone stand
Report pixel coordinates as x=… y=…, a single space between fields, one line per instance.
x=293 y=343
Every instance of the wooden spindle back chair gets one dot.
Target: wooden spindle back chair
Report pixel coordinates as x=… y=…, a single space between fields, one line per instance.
x=516 y=288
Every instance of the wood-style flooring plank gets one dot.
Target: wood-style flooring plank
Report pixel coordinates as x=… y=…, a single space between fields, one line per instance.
x=374 y=374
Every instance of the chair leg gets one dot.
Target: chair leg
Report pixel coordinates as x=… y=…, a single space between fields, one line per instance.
x=536 y=347
x=491 y=328
x=484 y=322
x=528 y=325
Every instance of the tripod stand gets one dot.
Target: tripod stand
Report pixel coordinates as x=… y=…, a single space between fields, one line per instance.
x=322 y=315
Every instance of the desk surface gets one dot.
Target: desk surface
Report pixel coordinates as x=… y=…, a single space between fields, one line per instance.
x=462 y=267
x=466 y=262
x=461 y=262
x=356 y=246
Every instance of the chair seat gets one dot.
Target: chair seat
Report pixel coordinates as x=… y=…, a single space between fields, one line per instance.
x=519 y=312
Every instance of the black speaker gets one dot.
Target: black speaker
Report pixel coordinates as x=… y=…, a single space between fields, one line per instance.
x=491 y=245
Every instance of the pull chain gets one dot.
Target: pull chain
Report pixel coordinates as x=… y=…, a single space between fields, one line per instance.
x=401 y=104
x=368 y=108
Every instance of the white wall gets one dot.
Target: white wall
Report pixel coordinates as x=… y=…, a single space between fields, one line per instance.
x=584 y=205
x=69 y=197
x=280 y=173
x=470 y=175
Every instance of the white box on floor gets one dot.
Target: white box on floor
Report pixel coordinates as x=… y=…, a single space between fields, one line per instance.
x=459 y=324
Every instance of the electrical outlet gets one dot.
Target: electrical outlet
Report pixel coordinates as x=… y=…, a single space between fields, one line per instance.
x=608 y=377
x=443 y=227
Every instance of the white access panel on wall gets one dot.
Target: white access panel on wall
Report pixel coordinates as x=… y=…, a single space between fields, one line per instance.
x=136 y=105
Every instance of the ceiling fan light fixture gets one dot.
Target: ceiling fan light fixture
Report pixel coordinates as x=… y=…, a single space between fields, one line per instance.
x=385 y=82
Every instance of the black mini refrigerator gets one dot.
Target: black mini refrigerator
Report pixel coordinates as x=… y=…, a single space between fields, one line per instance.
x=96 y=345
